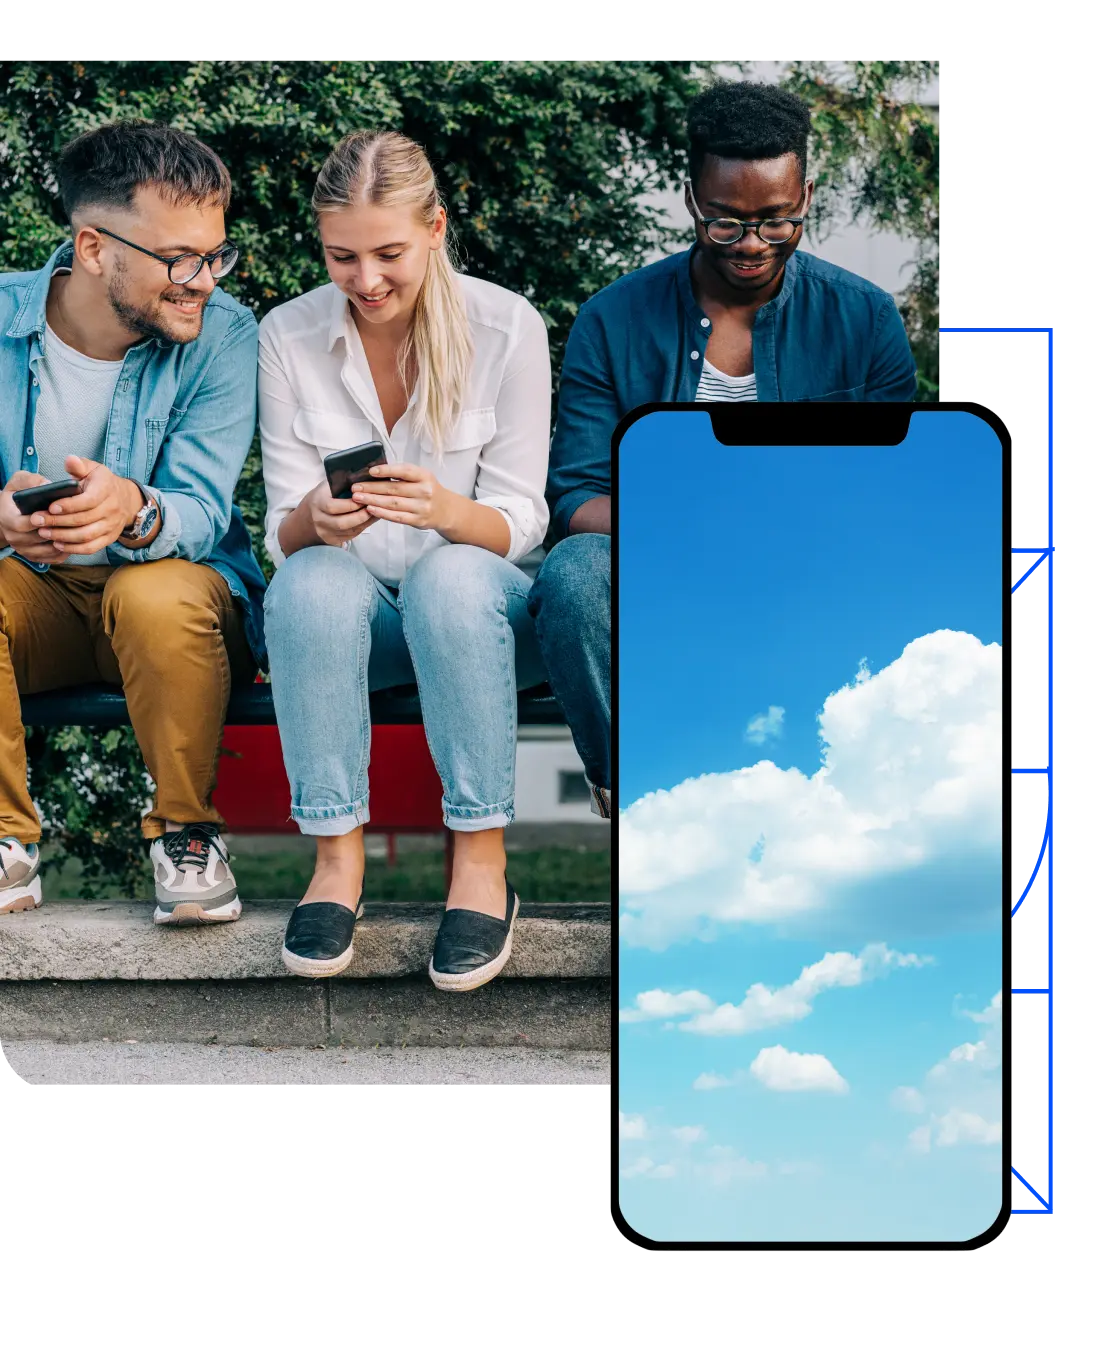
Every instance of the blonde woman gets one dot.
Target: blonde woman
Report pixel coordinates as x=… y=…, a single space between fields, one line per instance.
x=417 y=583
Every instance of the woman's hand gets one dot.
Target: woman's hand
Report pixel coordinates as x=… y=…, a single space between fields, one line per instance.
x=414 y=497
x=335 y=521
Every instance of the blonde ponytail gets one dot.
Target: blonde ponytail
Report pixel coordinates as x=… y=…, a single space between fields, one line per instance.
x=391 y=169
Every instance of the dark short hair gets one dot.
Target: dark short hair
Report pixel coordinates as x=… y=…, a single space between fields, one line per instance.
x=106 y=165
x=749 y=121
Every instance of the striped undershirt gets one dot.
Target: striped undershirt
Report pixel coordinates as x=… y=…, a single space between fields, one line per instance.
x=717 y=388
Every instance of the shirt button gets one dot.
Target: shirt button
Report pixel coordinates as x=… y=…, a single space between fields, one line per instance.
x=694 y=356
x=34 y=381
x=30 y=451
x=705 y=322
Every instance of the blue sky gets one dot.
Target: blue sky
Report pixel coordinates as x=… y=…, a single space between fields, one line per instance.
x=753 y=585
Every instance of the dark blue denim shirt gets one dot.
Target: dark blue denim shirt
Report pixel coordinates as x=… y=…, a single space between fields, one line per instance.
x=182 y=418
x=827 y=335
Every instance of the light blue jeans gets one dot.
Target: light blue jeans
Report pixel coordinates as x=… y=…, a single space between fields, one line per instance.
x=459 y=627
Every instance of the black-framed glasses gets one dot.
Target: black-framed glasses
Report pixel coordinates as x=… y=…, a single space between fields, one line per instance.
x=724 y=231
x=186 y=266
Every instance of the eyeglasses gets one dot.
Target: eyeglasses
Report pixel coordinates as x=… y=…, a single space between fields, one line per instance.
x=724 y=231
x=186 y=266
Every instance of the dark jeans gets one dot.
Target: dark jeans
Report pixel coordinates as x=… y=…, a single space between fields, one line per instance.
x=570 y=602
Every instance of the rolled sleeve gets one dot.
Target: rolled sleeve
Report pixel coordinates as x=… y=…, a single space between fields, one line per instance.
x=892 y=373
x=589 y=409
x=200 y=460
x=512 y=467
x=292 y=466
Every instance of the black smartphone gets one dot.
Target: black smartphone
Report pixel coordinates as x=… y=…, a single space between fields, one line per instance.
x=345 y=468
x=40 y=497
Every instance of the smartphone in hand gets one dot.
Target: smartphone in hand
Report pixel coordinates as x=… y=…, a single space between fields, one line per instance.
x=345 y=468
x=39 y=497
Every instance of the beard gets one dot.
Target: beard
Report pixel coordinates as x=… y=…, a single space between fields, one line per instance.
x=147 y=319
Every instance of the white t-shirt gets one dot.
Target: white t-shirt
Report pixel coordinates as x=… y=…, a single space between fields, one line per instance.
x=716 y=387
x=70 y=419
x=316 y=396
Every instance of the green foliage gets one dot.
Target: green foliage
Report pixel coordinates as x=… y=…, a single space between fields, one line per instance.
x=874 y=154
x=550 y=171
x=545 y=167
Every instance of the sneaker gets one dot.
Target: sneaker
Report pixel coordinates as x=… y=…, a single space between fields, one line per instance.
x=191 y=869
x=318 y=939
x=472 y=948
x=20 y=886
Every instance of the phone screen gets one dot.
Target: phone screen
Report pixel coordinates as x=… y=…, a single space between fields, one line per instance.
x=343 y=469
x=813 y=779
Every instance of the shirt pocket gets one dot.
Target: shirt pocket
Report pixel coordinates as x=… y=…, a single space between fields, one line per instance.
x=330 y=432
x=843 y=396
x=472 y=430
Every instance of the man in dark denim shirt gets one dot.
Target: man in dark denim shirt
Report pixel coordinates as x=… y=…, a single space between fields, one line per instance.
x=742 y=315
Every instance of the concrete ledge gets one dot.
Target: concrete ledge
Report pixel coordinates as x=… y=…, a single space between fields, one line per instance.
x=117 y=940
x=548 y=1014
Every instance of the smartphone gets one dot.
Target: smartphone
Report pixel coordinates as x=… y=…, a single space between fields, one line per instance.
x=38 y=499
x=345 y=468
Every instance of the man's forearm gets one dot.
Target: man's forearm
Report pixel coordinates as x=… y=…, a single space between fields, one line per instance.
x=595 y=515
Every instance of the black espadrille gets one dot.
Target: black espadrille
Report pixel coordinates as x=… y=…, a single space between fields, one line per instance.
x=472 y=948
x=318 y=939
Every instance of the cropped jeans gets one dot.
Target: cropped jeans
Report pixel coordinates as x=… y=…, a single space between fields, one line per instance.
x=459 y=627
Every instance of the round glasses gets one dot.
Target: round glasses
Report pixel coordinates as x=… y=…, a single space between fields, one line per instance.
x=186 y=266
x=724 y=231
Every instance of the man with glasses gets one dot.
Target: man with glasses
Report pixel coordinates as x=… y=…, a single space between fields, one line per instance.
x=741 y=316
x=127 y=373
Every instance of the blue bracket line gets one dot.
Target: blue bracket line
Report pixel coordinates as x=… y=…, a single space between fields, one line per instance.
x=1044 y=552
x=1040 y=857
x=1040 y=561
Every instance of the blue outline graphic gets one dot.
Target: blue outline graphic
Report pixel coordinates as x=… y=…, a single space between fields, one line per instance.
x=1044 y=553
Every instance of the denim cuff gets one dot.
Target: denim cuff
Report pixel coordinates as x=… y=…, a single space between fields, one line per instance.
x=477 y=819
x=330 y=821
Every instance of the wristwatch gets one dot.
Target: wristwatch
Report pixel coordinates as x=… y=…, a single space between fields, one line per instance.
x=146 y=518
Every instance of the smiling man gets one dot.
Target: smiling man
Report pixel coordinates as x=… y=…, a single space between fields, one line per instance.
x=742 y=315
x=128 y=373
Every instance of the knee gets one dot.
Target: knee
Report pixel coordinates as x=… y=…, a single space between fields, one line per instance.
x=153 y=600
x=575 y=577
x=316 y=591
x=451 y=584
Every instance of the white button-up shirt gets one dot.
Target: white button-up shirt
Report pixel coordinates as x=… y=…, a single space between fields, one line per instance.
x=317 y=396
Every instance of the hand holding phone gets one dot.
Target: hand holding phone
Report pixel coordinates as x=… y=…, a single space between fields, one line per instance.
x=38 y=498
x=345 y=468
x=16 y=528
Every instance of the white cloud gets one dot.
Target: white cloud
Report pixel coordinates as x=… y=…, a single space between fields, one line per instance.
x=910 y=784
x=655 y=1004
x=632 y=1127
x=689 y=1135
x=766 y=726
x=991 y=1013
x=647 y=1168
x=764 y=1008
x=785 y=1071
x=723 y=1166
x=708 y=1081
x=637 y=1168
x=908 y=1100
x=962 y=1097
x=966 y=1128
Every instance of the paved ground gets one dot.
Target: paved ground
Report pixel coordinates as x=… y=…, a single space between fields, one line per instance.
x=41 y=1061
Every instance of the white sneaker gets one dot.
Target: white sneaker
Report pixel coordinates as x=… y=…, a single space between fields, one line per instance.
x=20 y=885
x=191 y=869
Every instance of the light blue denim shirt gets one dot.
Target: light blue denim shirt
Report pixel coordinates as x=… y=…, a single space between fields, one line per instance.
x=181 y=422
x=828 y=335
